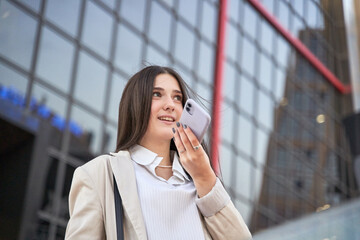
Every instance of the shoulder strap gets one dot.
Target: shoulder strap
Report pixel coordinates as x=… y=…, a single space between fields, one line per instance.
x=119 y=213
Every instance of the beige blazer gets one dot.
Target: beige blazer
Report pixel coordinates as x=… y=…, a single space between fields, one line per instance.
x=92 y=207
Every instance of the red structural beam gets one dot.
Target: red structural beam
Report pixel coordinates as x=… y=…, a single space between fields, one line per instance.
x=301 y=48
x=217 y=92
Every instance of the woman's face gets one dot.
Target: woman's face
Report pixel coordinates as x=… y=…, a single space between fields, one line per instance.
x=166 y=108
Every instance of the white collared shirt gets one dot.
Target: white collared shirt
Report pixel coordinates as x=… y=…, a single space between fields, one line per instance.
x=169 y=206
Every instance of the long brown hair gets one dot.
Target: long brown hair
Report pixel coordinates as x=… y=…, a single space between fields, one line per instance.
x=135 y=105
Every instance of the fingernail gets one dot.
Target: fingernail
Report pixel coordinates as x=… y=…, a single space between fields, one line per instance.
x=178 y=124
x=173 y=130
x=185 y=126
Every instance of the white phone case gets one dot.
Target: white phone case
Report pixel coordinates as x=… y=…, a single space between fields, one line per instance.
x=195 y=117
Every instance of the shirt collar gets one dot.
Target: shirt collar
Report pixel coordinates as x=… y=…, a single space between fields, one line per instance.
x=151 y=160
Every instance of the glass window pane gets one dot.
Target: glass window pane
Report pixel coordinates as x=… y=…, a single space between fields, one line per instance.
x=231 y=42
x=134 y=12
x=117 y=87
x=206 y=63
x=17 y=34
x=55 y=60
x=110 y=3
x=246 y=96
x=226 y=164
x=188 y=10
x=153 y=56
x=265 y=110
x=248 y=56
x=250 y=19
x=283 y=14
x=245 y=135
x=243 y=168
x=160 y=21
x=233 y=9
x=90 y=83
x=261 y=146
x=184 y=48
x=91 y=126
x=280 y=84
x=267 y=34
x=51 y=100
x=209 y=23
x=265 y=72
x=34 y=4
x=10 y=78
x=97 y=29
x=111 y=133
x=128 y=50
x=282 y=52
x=64 y=14
x=229 y=88
x=227 y=122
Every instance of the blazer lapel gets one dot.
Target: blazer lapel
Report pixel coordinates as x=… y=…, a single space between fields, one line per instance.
x=124 y=173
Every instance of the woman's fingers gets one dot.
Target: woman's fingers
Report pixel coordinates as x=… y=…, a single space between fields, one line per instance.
x=192 y=138
x=179 y=145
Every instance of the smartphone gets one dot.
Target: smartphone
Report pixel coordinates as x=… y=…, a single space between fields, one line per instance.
x=195 y=117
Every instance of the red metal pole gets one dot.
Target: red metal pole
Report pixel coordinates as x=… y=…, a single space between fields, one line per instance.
x=217 y=92
x=301 y=48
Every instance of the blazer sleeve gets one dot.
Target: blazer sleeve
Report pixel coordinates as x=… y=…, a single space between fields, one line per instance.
x=86 y=218
x=222 y=219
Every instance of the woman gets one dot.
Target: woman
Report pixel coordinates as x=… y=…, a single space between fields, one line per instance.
x=164 y=176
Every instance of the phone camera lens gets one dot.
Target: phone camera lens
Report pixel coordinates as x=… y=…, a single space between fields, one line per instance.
x=189 y=104
x=188 y=109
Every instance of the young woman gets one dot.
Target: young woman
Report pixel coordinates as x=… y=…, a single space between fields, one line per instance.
x=167 y=185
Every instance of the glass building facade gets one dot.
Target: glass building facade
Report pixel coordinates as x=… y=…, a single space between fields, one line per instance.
x=64 y=64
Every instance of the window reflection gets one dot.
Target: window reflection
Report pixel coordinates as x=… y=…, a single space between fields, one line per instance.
x=246 y=95
x=248 y=56
x=10 y=78
x=227 y=128
x=245 y=135
x=111 y=137
x=229 y=88
x=97 y=29
x=160 y=21
x=265 y=72
x=91 y=126
x=64 y=14
x=50 y=99
x=188 y=10
x=231 y=42
x=34 y=4
x=243 y=170
x=206 y=63
x=55 y=60
x=208 y=23
x=154 y=57
x=184 y=48
x=117 y=86
x=267 y=36
x=128 y=50
x=134 y=12
x=90 y=84
x=265 y=110
x=17 y=34
x=250 y=19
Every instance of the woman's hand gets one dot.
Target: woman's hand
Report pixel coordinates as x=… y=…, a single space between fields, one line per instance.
x=194 y=159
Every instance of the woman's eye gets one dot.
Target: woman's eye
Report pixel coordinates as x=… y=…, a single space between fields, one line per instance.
x=178 y=98
x=156 y=94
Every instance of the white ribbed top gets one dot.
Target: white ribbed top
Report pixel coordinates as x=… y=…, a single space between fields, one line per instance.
x=171 y=207
x=168 y=206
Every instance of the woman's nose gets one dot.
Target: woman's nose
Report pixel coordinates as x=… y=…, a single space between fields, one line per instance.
x=169 y=104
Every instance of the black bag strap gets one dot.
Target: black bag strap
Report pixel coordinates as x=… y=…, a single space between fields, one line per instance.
x=119 y=213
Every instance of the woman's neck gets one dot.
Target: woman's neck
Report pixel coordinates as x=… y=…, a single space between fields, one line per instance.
x=161 y=149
